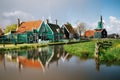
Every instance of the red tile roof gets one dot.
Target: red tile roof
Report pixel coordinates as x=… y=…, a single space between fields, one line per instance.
x=30 y=63
x=89 y=33
x=28 y=26
x=1 y=58
x=98 y=30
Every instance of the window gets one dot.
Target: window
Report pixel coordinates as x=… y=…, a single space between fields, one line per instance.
x=58 y=30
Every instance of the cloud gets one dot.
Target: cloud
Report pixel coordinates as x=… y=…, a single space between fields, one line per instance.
x=8 y=18
x=114 y=25
x=18 y=14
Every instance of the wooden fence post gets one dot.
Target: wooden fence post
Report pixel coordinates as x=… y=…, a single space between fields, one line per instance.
x=97 y=50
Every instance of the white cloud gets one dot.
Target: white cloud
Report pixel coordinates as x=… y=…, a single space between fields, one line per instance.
x=7 y=18
x=114 y=25
x=18 y=14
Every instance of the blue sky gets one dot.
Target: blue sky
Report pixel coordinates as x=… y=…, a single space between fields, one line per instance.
x=73 y=11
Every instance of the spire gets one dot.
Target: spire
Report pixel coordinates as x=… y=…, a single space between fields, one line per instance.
x=100 y=23
x=101 y=19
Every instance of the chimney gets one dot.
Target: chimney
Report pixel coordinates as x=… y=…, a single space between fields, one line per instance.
x=56 y=21
x=47 y=20
x=18 y=22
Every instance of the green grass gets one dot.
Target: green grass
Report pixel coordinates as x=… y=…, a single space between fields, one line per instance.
x=112 y=55
x=86 y=49
x=20 y=46
x=81 y=49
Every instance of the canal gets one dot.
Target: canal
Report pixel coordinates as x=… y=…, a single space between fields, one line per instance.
x=53 y=63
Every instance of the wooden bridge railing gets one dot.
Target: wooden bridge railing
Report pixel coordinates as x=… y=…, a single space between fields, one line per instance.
x=101 y=45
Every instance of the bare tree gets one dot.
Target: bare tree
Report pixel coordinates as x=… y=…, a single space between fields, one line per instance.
x=81 y=27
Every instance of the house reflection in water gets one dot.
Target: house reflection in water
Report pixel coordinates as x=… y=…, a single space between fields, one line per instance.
x=2 y=60
x=43 y=57
x=38 y=58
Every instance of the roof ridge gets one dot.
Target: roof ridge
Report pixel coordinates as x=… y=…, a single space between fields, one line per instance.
x=29 y=25
x=31 y=21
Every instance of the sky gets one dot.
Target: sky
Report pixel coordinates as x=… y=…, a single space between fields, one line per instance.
x=73 y=11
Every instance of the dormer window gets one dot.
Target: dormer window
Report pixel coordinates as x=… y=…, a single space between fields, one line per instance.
x=23 y=26
x=58 y=30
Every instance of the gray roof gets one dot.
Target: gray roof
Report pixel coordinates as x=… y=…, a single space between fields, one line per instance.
x=55 y=28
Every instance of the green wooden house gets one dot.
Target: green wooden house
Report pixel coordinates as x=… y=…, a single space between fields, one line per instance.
x=51 y=32
x=33 y=32
x=27 y=32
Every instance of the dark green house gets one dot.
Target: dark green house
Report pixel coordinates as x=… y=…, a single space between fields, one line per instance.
x=51 y=32
x=68 y=31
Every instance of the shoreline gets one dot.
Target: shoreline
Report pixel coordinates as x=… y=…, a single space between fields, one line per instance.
x=7 y=47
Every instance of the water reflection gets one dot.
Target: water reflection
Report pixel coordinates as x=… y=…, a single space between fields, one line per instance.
x=2 y=60
x=37 y=58
x=53 y=63
x=97 y=62
x=42 y=58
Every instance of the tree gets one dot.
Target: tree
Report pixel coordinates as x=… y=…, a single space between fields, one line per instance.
x=11 y=27
x=1 y=32
x=81 y=27
x=68 y=24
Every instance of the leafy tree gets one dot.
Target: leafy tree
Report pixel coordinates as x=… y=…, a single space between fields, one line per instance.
x=11 y=27
x=1 y=32
x=81 y=27
x=68 y=24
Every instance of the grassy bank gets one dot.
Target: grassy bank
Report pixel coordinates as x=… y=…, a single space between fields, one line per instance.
x=20 y=46
x=86 y=49
x=81 y=49
x=112 y=54
x=6 y=47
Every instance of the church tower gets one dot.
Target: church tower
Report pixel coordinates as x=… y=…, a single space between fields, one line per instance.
x=100 y=24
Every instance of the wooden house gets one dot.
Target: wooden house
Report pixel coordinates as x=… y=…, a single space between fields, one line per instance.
x=100 y=33
x=68 y=31
x=27 y=32
x=51 y=32
x=89 y=33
